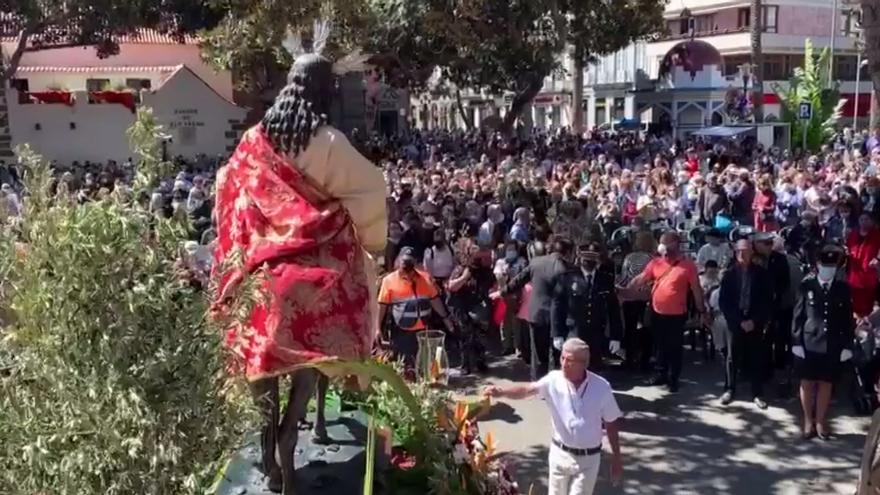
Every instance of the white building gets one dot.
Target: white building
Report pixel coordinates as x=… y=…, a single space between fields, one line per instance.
x=192 y=99
x=80 y=125
x=614 y=85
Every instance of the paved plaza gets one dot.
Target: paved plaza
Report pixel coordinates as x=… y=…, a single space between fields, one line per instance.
x=686 y=443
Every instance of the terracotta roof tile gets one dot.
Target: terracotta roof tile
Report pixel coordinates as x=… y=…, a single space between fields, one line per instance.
x=138 y=37
x=98 y=69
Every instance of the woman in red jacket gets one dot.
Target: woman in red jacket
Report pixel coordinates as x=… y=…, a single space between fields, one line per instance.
x=692 y=165
x=764 y=206
x=863 y=246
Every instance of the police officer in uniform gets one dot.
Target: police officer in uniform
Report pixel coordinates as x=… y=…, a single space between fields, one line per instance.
x=585 y=304
x=822 y=338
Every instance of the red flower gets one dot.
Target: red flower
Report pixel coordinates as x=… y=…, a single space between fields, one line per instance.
x=401 y=460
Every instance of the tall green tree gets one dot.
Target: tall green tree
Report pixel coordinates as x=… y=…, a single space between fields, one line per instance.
x=484 y=45
x=809 y=84
x=42 y=24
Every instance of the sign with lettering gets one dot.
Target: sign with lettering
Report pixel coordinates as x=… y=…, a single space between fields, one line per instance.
x=805 y=110
x=186 y=117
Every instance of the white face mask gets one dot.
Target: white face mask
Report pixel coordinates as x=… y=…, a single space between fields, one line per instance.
x=826 y=273
x=661 y=249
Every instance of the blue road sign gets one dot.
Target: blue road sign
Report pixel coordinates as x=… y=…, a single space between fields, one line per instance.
x=805 y=111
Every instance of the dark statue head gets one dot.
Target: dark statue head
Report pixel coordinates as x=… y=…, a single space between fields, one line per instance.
x=303 y=105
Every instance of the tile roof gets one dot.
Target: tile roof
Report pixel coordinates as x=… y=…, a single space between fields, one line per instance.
x=137 y=37
x=98 y=69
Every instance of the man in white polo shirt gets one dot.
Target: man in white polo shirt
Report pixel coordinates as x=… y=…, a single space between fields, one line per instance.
x=580 y=403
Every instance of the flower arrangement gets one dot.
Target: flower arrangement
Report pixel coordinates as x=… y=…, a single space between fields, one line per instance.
x=437 y=445
x=475 y=464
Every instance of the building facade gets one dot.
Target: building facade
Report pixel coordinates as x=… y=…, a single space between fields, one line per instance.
x=623 y=85
x=91 y=126
x=617 y=86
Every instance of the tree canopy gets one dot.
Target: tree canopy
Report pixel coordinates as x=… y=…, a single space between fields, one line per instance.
x=42 y=24
x=493 y=45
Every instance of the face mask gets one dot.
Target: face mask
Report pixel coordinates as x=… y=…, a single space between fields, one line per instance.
x=872 y=190
x=408 y=265
x=661 y=249
x=588 y=265
x=826 y=273
x=510 y=255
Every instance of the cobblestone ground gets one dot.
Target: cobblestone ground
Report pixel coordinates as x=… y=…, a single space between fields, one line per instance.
x=687 y=443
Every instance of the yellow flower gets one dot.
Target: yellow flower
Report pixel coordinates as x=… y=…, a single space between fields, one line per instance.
x=461 y=413
x=435 y=370
x=489 y=442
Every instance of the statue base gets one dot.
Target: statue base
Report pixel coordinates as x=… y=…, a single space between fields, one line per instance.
x=336 y=467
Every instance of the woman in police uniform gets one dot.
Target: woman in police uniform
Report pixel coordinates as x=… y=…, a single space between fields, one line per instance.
x=822 y=338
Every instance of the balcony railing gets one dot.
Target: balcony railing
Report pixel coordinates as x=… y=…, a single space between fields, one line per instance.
x=715 y=32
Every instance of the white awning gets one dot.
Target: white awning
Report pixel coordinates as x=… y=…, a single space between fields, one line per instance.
x=722 y=131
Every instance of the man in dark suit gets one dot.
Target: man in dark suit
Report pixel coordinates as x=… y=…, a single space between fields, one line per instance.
x=779 y=327
x=745 y=300
x=585 y=303
x=544 y=272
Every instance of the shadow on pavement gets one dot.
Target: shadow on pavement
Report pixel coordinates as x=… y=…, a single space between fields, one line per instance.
x=687 y=443
x=501 y=411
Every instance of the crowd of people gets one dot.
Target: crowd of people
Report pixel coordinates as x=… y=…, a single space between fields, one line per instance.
x=628 y=242
x=631 y=243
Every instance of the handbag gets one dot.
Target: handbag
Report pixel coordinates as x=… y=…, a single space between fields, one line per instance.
x=723 y=223
x=649 y=308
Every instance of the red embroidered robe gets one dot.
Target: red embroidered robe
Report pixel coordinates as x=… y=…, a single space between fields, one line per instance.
x=316 y=297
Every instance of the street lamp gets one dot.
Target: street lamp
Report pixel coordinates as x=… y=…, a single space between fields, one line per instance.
x=689 y=23
x=745 y=71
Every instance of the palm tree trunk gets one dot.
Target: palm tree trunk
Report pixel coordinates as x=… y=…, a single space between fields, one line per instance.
x=577 y=90
x=756 y=29
x=871 y=27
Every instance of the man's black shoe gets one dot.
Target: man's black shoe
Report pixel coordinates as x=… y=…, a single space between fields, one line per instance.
x=657 y=380
x=673 y=386
x=726 y=397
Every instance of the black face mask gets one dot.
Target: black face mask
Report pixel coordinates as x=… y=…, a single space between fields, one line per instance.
x=589 y=265
x=408 y=265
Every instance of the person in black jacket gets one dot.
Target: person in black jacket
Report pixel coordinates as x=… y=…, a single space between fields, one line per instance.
x=822 y=338
x=745 y=300
x=544 y=272
x=779 y=327
x=742 y=194
x=870 y=198
x=468 y=300
x=584 y=304
x=805 y=238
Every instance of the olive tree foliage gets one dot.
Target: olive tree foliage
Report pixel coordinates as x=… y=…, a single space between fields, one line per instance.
x=112 y=382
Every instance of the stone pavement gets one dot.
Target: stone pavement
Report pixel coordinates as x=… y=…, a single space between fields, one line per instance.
x=686 y=443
